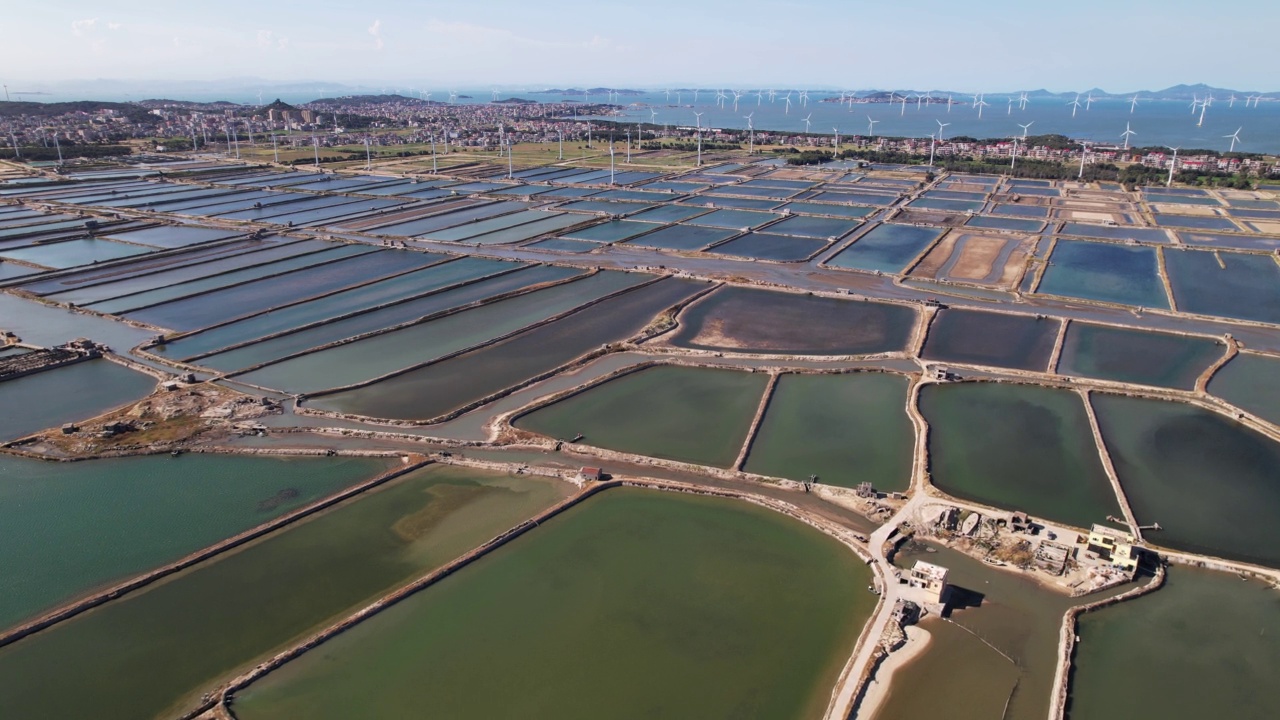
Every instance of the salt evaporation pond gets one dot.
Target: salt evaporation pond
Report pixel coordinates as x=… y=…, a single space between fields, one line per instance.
x=1136 y=356
x=1248 y=381
x=672 y=605
x=1021 y=342
x=1017 y=447
x=887 y=248
x=690 y=414
x=1101 y=271
x=1234 y=285
x=1202 y=643
x=1212 y=483
x=846 y=429
x=739 y=319
x=51 y=398
x=69 y=528
x=133 y=657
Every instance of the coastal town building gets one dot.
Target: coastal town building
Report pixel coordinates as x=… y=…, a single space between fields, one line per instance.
x=930 y=578
x=1116 y=547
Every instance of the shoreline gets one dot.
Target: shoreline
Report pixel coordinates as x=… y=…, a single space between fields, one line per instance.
x=880 y=684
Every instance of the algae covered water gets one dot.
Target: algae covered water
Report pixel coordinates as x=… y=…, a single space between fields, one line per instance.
x=1017 y=447
x=688 y=414
x=154 y=651
x=1211 y=483
x=1203 y=643
x=846 y=429
x=68 y=528
x=635 y=604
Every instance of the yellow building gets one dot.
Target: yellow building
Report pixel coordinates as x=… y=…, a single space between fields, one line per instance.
x=1115 y=546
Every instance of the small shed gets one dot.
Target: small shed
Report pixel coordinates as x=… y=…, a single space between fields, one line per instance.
x=593 y=474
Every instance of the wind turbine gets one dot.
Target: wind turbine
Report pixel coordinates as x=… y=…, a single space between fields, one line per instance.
x=807 y=123
x=904 y=105
x=1235 y=138
x=1022 y=101
x=1075 y=105
x=1010 y=112
x=981 y=104
x=941 y=125
x=787 y=99
x=1127 y=132
x=1133 y=104
x=837 y=132
x=1172 y=164
x=1203 y=106
x=804 y=98
x=698 y=115
x=736 y=95
x=1088 y=103
x=932 y=143
x=751 y=135
x=919 y=99
x=871 y=126
x=1025 y=128
x=453 y=96
x=948 y=104
x=611 y=165
x=1231 y=101
x=759 y=98
x=1084 y=152
x=1013 y=160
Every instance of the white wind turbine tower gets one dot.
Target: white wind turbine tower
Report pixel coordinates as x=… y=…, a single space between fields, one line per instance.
x=1013 y=159
x=695 y=96
x=453 y=96
x=772 y=95
x=981 y=104
x=1195 y=102
x=653 y=116
x=1010 y=112
x=1231 y=101
x=941 y=127
x=1133 y=104
x=1084 y=152
x=1088 y=103
x=919 y=100
x=871 y=126
x=948 y=104
x=1022 y=101
x=668 y=92
x=1172 y=164
x=904 y=105
x=751 y=135
x=1126 y=134
x=932 y=143
x=836 y=130
x=1235 y=138
x=787 y=99
x=736 y=95
x=1203 y=106
x=804 y=98
x=1025 y=128
x=698 y=115
x=807 y=123
x=759 y=98
x=1075 y=105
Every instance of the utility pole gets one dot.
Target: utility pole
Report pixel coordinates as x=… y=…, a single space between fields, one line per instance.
x=275 y=147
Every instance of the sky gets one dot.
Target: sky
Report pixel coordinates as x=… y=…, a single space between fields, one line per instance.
x=981 y=45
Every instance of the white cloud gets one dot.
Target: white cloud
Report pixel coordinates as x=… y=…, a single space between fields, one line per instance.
x=376 y=31
x=114 y=26
x=268 y=40
x=80 y=27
